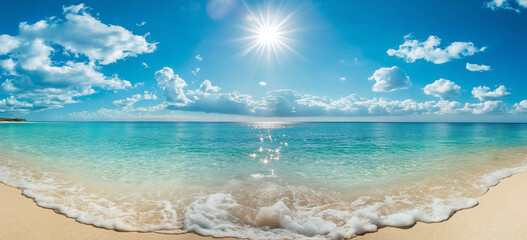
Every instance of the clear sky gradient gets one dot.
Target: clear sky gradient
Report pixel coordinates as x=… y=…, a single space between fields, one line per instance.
x=228 y=60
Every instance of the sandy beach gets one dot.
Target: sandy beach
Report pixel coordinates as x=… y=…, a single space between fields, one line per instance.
x=501 y=214
x=21 y=218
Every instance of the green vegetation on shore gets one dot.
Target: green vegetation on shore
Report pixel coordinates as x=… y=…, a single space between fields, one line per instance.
x=12 y=119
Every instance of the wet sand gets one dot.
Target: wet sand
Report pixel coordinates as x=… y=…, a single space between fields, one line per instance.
x=21 y=218
x=501 y=214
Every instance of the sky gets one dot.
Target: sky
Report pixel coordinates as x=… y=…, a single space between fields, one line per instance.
x=234 y=60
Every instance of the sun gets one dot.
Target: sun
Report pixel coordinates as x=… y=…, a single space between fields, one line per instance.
x=268 y=33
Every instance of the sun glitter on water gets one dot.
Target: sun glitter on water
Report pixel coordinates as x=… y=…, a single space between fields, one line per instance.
x=268 y=33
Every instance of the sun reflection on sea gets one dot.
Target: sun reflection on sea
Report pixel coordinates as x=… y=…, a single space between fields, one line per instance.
x=268 y=125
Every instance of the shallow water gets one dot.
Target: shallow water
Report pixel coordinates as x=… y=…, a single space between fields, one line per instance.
x=259 y=180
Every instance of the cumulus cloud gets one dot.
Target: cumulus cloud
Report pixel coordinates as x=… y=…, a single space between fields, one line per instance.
x=12 y=105
x=195 y=71
x=289 y=103
x=81 y=33
x=126 y=110
x=520 y=107
x=130 y=101
x=206 y=86
x=227 y=103
x=84 y=42
x=199 y=58
x=126 y=113
x=513 y=5
x=488 y=107
x=390 y=79
x=477 y=67
x=8 y=44
x=281 y=103
x=262 y=83
x=429 y=50
x=443 y=88
x=483 y=93
x=172 y=85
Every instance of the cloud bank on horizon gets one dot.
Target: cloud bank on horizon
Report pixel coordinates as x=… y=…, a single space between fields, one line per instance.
x=59 y=61
x=290 y=103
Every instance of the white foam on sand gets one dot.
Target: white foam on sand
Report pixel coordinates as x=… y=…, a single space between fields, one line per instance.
x=224 y=214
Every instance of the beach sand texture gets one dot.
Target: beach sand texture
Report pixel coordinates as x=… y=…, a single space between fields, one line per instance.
x=501 y=214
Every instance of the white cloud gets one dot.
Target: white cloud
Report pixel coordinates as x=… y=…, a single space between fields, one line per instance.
x=282 y=103
x=429 y=50
x=483 y=93
x=513 y=5
x=477 y=67
x=31 y=74
x=130 y=101
x=195 y=72
x=74 y=8
x=8 y=44
x=342 y=79
x=390 y=79
x=206 y=87
x=290 y=103
x=520 y=107
x=145 y=65
x=172 y=85
x=85 y=43
x=488 y=107
x=14 y=106
x=443 y=88
x=262 y=83
x=228 y=103
x=126 y=113
x=81 y=33
x=141 y=24
x=199 y=58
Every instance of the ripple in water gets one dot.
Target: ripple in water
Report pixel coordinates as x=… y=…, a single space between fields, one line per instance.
x=258 y=180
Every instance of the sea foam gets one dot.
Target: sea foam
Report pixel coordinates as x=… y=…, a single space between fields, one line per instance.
x=300 y=181
x=221 y=215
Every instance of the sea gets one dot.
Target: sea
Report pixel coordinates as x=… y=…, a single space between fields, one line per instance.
x=258 y=180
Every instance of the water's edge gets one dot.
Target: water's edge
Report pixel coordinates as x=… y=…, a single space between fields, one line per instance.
x=490 y=180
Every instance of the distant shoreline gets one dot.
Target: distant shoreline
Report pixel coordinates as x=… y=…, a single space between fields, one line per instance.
x=281 y=122
x=12 y=119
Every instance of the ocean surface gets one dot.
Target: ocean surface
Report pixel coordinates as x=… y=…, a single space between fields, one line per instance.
x=259 y=180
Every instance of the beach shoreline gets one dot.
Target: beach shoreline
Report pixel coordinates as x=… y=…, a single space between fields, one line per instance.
x=501 y=213
x=497 y=216
x=22 y=218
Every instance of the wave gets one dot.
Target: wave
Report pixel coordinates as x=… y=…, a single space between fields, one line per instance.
x=255 y=208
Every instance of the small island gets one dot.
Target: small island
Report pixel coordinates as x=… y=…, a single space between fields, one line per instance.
x=12 y=119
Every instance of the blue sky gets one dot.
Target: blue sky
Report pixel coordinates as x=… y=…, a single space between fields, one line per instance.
x=340 y=60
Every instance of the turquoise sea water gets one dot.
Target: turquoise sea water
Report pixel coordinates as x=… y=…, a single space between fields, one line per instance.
x=259 y=180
